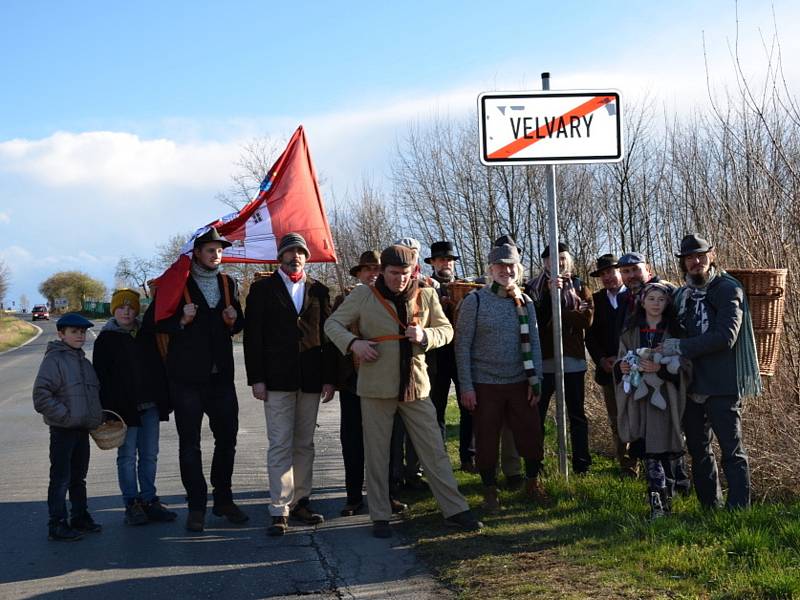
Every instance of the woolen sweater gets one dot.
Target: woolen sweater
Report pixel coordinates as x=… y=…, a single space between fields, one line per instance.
x=487 y=340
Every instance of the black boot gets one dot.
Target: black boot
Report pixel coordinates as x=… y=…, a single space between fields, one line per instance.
x=60 y=531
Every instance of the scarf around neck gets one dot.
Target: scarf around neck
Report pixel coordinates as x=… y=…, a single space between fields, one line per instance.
x=514 y=293
x=400 y=300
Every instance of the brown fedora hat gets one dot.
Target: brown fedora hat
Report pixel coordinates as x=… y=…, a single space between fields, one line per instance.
x=367 y=259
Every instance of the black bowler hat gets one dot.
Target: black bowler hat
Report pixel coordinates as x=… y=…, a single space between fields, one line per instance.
x=212 y=235
x=443 y=249
x=693 y=244
x=562 y=247
x=607 y=261
x=370 y=258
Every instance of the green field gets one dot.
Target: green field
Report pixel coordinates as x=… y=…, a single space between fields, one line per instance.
x=14 y=332
x=594 y=540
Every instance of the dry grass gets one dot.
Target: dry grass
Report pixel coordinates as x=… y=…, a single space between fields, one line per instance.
x=14 y=332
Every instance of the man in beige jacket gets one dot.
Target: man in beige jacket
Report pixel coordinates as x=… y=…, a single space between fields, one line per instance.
x=398 y=322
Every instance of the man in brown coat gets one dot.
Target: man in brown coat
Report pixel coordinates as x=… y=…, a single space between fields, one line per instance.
x=289 y=366
x=398 y=322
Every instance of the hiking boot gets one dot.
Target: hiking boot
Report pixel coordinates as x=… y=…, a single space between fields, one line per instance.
x=134 y=513
x=278 y=527
x=465 y=520
x=490 y=502
x=233 y=513
x=196 y=521
x=60 y=531
x=157 y=512
x=656 y=508
x=397 y=506
x=352 y=508
x=514 y=482
x=304 y=514
x=85 y=524
x=534 y=490
x=381 y=529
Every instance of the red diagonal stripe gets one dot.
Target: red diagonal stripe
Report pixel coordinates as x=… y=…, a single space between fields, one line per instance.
x=579 y=111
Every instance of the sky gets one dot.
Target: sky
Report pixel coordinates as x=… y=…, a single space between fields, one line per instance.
x=120 y=123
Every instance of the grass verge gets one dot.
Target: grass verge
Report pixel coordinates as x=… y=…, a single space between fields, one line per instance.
x=14 y=332
x=594 y=540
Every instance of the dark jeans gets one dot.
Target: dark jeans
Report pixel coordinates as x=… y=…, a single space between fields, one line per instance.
x=217 y=399
x=721 y=415
x=69 y=463
x=578 y=424
x=351 y=435
x=440 y=392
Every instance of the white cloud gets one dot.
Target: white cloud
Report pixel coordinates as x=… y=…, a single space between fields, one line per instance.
x=117 y=160
x=5 y=217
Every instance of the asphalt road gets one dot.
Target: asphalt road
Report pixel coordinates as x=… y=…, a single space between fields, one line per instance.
x=339 y=559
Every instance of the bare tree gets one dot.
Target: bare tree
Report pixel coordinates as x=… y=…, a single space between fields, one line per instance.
x=5 y=279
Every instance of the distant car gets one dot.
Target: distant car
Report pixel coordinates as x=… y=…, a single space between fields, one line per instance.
x=40 y=312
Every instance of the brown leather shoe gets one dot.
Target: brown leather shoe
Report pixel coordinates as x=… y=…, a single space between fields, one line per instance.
x=397 y=506
x=233 y=513
x=278 y=527
x=535 y=491
x=352 y=508
x=306 y=515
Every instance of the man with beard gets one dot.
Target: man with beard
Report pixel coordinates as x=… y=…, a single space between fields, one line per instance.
x=398 y=321
x=602 y=342
x=636 y=273
x=200 y=372
x=289 y=366
x=713 y=309
x=442 y=362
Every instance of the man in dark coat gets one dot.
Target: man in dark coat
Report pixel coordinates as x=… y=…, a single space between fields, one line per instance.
x=442 y=362
x=200 y=372
x=713 y=309
x=602 y=342
x=289 y=365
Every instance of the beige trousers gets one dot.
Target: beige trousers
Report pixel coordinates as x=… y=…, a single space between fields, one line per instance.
x=291 y=422
x=419 y=418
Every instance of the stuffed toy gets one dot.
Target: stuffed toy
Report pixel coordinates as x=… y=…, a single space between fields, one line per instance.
x=635 y=379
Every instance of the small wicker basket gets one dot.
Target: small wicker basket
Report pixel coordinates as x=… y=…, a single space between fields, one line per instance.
x=110 y=434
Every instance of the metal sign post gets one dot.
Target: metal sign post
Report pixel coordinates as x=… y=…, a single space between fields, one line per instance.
x=555 y=301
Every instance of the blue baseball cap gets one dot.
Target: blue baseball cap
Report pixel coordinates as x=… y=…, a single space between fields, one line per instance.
x=631 y=258
x=73 y=320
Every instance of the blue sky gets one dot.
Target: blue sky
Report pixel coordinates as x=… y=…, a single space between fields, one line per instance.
x=120 y=122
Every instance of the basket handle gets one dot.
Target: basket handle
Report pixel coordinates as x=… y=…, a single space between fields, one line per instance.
x=105 y=410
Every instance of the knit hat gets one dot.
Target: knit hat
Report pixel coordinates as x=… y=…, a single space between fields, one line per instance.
x=125 y=297
x=73 y=320
x=293 y=240
x=397 y=256
x=505 y=255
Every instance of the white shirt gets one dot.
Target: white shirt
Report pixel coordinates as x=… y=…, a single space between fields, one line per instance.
x=612 y=298
x=296 y=290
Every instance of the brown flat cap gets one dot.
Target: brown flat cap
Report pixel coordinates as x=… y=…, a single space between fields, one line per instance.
x=397 y=256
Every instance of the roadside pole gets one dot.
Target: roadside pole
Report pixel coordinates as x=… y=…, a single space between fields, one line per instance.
x=555 y=300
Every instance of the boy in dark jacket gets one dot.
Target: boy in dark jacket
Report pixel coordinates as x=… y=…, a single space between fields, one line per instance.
x=133 y=384
x=65 y=392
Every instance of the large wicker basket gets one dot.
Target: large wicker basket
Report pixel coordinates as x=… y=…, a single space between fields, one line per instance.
x=457 y=291
x=766 y=294
x=110 y=434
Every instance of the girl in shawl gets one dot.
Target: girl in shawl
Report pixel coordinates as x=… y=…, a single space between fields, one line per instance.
x=651 y=391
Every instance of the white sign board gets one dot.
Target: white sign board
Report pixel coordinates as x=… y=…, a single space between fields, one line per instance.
x=518 y=128
x=60 y=303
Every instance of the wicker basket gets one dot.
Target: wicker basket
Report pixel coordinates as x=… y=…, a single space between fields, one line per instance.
x=457 y=291
x=110 y=434
x=766 y=291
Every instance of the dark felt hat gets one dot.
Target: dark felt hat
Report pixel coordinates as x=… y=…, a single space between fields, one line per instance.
x=504 y=239
x=504 y=255
x=443 y=249
x=607 y=261
x=293 y=240
x=562 y=247
x=212 y=235
x=367 y=259
x=694 y=244
x=73 y=320
x=631 y=258
x=397 y=256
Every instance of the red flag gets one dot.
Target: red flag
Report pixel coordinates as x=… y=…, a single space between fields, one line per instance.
x=289 y=201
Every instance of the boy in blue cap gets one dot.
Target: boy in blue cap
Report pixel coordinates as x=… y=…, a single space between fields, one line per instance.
x=66 y=393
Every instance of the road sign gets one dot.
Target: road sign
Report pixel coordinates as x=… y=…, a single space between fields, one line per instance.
x=519 y=128
x=60 y=303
